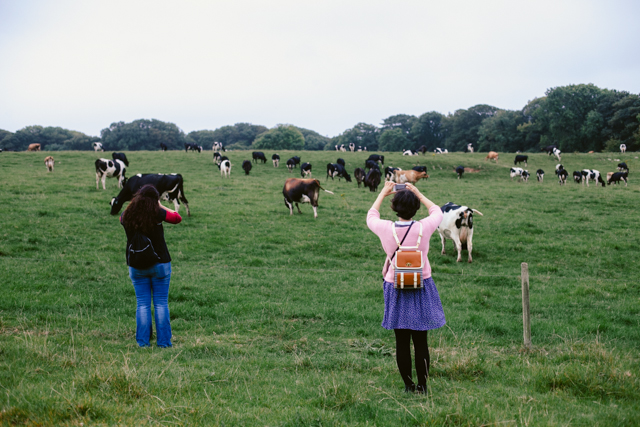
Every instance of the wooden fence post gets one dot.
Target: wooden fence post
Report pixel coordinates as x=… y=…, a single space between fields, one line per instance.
x=526 y=319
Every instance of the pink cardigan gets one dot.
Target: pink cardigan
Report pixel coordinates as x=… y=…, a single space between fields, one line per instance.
x=382 y=229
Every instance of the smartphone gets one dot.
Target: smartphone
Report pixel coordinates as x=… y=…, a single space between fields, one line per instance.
x=399 y=187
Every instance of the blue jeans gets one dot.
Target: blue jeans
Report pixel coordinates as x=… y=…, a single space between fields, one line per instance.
x=153 y=283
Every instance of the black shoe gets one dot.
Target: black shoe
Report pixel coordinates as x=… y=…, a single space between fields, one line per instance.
x=410 y=388
x=421 y=389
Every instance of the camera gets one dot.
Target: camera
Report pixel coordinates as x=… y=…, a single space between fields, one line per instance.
x=399 y=187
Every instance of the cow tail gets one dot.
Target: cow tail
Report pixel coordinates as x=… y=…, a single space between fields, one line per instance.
x=478 y=212
x=182 y=197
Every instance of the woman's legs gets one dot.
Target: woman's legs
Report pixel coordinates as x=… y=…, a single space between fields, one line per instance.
x=422 y=356
x=403 y=355
x=142 y=286
x=160 y=284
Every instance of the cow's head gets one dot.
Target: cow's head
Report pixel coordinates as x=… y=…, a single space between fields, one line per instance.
x=116 y=205
x=423 y=175
x=347 y=177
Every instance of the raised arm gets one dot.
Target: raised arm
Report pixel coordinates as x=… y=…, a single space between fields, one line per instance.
x=386 y=190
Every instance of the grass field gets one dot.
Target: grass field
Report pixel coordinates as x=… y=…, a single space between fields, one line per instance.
x=276 y=318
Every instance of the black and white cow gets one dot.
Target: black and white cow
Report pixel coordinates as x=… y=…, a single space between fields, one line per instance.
x=170 y=188
x=276 y=160
x=302 y=191
x=622 y=167
x=291 y=164
x=577 y=177
x=457 y=225
x=305 y=169
x=163 y=146
x=520 y=159
x=106 y=168
x=342 y=148
x=390 y=173
x=419 y=168
x=592 y=175
x=120 y=156
x=377 y=158
x=296 y=160
x=549 y=149
x=259 y=155
x=441 y=150
x=468 y=148
x=341 y=162
x=562 y=176
x=409 y=153
x=192 y=147
x=217 y=146
x=97 y=146
x=525 y=175
x=623 y=148
x=359 y=175
x=225 y=168
x=216 y=158
x=337 y=170
x=515 y=172
x=372 y=179
x=246 y=166
x=352 y=147
x=540 y=175
x=370 y=164
x=617 y=177
x=460 y=171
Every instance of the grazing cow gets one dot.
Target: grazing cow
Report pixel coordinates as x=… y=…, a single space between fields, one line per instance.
x=549 y=149
x=341 y=162
x=359 y=147
x=377 y=158
x=302 y=191
x=276 y=160
x=592 y=175
x=223 y=158
x=49 y=162
x=217 y=146
x=622 y=167
x=577 y=177
x=97 y=146
x=439 y=150
x=540 y=175
x=170 y=188
x=342 y=148
x=525 y=175
x=106 y=168
x=372 y=179
x=457 y=225
x=389 y=173
x=33 y=147
x=492 y=155
x=120 y=156
x=225 y=168
x=460 y=171
x=337 y=148
x=520 y=159
x=163 y=146
x=296 y=159
x=359 y=175
x=246 y=166
x=411 y=176
x=468 y=148
x=338 y=170
x=623 y=148
x=192 y=147
x=419 y=168
x=305 y=169
x=422 y=149
x=513 y=172
x=259 y=155
x=557 y=153
x=291 y=164
x=216 y=158
x=409 y=153
x=617 y=177
x=352 y=147
x=370 y=164
x=562 y=176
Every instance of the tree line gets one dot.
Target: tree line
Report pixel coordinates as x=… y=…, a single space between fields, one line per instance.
x=575 y=118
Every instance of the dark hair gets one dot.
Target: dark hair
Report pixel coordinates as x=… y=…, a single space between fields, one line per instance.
x=405 y=204
x=142 y=212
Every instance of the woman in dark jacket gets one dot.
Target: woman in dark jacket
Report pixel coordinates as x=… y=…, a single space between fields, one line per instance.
x=145 y=214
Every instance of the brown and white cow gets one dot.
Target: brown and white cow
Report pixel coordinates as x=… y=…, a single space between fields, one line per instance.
x=492 y=155
x=33 y=147
x=402 y=177
x=298 y=190
x=49 y=162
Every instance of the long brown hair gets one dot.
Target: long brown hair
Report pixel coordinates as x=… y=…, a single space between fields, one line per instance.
x=142 y=212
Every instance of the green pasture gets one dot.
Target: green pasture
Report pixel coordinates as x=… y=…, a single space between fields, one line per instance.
x=276 y=318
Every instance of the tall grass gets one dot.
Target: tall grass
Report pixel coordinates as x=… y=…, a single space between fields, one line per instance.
x=276 y=318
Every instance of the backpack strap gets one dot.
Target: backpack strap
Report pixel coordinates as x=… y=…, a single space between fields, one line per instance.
x=395 y=236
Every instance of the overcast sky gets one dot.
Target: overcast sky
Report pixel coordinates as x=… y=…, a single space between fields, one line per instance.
x=322 y=65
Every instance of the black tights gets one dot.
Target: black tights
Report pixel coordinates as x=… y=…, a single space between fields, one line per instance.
x=403 y=355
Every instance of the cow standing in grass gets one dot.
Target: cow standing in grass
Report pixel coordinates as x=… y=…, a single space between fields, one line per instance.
x=49 y=162
x=170 y=188
x=246 y=166
x=225 y=168
x=359 y=175
x=106 y=168
x=540 y=175
x=276 y=160
x=457 y=225
x=492 y=155
x=302 y=191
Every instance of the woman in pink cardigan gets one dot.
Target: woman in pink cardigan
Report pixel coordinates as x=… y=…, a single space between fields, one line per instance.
x=409 y=312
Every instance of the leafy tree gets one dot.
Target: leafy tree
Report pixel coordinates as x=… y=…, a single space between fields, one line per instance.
x=313 y=140
x=49 y=138
x=4 y=134
x=428 y=130
x=361 y=135
x=239 y=136
x=500 y=132
x=624 y=122
x=394 y=140
x=281 y=137
x=462 y=127
x=142 y=134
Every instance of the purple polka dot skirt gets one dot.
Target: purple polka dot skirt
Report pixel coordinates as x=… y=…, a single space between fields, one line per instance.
x=416 y=309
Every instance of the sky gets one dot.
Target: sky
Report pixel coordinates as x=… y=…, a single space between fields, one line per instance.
x=321 y=65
